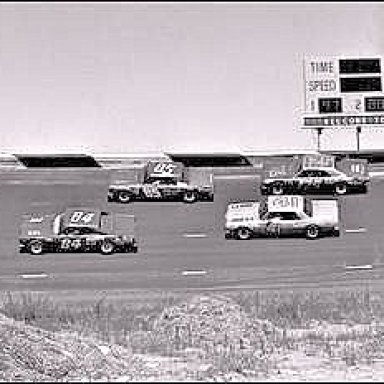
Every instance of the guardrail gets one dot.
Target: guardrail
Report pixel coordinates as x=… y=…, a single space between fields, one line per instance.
x=375 y=160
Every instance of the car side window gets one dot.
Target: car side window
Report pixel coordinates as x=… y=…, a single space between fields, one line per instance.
x=88 y=231
x=303 y=174
x=289 y=216
x=273 y=215
x=325 y=174
x=314 y=174
x=72 y=231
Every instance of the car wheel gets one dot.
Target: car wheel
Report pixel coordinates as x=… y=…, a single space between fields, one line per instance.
x=107 y=247
x=312 y=232
x=277 y=189
x=243 y=234
x=36 y=247
x=124 y=197
x=189 y=197
x=341 y=189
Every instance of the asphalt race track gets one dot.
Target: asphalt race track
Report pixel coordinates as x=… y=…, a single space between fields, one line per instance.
x=183 y=247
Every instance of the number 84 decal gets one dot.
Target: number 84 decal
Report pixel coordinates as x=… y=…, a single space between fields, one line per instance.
x=81 y=216
x=70 y=244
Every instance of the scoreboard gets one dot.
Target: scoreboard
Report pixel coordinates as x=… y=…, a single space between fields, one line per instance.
x=343 y=91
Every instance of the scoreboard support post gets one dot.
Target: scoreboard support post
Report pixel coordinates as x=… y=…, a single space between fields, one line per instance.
x=358 y=132
x=319 y=132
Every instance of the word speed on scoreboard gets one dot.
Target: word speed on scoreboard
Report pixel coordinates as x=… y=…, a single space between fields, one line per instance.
x=342 y=91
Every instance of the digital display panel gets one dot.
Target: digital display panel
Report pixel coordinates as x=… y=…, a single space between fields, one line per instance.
x=330 y=105
x=360 y=84
x=374 y=104
x=357 y=66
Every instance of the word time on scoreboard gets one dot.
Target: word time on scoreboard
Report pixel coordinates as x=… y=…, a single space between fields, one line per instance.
x=343 y=92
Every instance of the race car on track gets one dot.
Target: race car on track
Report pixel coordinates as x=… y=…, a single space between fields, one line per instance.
x=77 y=230
x=162 y=181
x=279 y=216
x=315 y=180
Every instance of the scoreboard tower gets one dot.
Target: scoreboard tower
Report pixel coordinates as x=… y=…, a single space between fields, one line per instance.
x=343 y=92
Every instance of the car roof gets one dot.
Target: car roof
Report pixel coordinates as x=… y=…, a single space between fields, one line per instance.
x=92 y=222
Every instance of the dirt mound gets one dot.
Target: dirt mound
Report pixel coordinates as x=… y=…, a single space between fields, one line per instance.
x=212 y=322
x=31 y=354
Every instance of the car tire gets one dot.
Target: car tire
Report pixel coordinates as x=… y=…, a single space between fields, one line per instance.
x=189 y=197
x=36 y=247
x=243 y=234
x=107 y=247
x=277 y=189
x=312 y=232
x=124 y=197
x=341 y=189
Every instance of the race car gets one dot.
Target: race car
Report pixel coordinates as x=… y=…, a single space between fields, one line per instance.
x=159 y=189
x=162 y=181
x=315 y=180
x=77 y=230
x=280 y=216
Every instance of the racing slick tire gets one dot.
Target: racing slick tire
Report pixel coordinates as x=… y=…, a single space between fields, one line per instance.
x=107 y=247
x=124 y=197
x=277 y=189
x=243 y=234
x=189 y=197
x=341 y=189
x=312 y=232
x=36 y=247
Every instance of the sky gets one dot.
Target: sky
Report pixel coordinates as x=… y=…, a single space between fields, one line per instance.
x=134 y=77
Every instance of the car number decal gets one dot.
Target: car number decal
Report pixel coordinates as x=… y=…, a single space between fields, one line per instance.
x=82 y=217
x=151 y=190
x=357 y=168
x=70 y=243
x=164 y=169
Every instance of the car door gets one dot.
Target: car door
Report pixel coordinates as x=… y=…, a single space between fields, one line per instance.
x=70 y=239
x=167 y=188
x=311 y=180
x=151 y=190
x=304 y=179
x=289 y=224
x=328 y=180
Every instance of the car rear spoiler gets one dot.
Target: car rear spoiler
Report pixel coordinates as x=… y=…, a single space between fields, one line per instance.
x=325 y=210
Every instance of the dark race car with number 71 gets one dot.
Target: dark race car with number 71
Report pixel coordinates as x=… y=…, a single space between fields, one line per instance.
x=315 y=180
x=78 y=230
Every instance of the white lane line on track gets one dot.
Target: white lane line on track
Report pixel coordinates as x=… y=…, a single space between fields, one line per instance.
x=34 y=276
x=193 y=273
x=359 y=267
x=358 y=230
x=195 y=235
x=377 y=174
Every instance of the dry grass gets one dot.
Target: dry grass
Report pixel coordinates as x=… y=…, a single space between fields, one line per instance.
x=236 y=333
